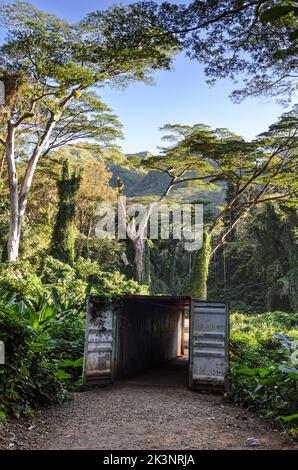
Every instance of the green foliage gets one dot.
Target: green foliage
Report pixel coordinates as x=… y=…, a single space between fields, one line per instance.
x=63 y=241
x=256 y=40
x=44 y=342
x=115 y=284
x=105 y=251
x=257 y=270
x=19 y=279
x=126 y=42
x=61 y=279
x=196 y=283
x=85 y=277
x=67 y=332
x=87 y=269
x=52 y=304
x=263 y=376
x=107 y=284
x=169 y=266
x=54 y=271
x=28 y=377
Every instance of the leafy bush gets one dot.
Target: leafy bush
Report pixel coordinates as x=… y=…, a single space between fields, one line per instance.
x=87 y=277
x=88 y=270
x=49 y=306
x=67 y=338
x=44 y=343
x=62 y=278
x=29 y=377
x=263 y=376
x=18 y=278
x=55 y=271
x=107 y=284
x=106 y=251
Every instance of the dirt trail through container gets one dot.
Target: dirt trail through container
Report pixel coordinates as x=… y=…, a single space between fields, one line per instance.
x=152 y=411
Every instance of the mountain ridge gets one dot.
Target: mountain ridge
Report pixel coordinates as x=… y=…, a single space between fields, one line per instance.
x=140 y=183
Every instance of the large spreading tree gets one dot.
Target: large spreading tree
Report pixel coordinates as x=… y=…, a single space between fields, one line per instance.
x=50 y=69
x=255 y=172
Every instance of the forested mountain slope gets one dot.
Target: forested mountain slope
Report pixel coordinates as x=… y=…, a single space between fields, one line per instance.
x=138 y=183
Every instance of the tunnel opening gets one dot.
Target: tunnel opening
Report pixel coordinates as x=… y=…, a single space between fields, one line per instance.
x=146 y=339
x=136 y=337
x=152 y=344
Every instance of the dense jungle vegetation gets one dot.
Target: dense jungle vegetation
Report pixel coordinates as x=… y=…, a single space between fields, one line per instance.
x=59 y=161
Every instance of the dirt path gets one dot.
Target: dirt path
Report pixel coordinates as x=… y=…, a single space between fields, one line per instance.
x=154 y=411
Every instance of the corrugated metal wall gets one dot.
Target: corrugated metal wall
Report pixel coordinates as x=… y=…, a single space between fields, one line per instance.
x=209 y=334
x=99 y=342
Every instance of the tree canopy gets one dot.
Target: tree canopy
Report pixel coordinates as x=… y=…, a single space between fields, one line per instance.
x=48 y=68
x=257 y=171
x=253 y=42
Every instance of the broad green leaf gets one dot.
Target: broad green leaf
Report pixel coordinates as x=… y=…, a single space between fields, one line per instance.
x=289 y=418
x=79 y=362
x=60 y=374
x=257 y=371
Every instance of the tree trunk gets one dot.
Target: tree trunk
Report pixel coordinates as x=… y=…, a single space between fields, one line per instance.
x=196 y=283
x=137 y=238
x=13 y=236
x=2 y=162
x=18 y=202
x=27 y=182
x=138 y=246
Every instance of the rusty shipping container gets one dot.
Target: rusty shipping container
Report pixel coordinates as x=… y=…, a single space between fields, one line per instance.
x=128 y=335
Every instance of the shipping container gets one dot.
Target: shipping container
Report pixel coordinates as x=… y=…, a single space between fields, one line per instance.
x=131 y=334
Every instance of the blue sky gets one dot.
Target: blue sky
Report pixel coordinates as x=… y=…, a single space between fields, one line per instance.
x=180 y=96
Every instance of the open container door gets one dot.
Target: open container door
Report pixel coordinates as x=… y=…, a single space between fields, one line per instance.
x=99 y=343
x=208 y=345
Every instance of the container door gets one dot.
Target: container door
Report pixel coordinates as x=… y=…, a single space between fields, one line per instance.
x=99 y=344
x=208 y=355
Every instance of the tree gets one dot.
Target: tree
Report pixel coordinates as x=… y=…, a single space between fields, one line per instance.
x=260 y=171
x=43 y=203
x=49 y=67
x=257 y=270
x=135 y=227
x=251 y=41
x=63 y=240
x=94 y=189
